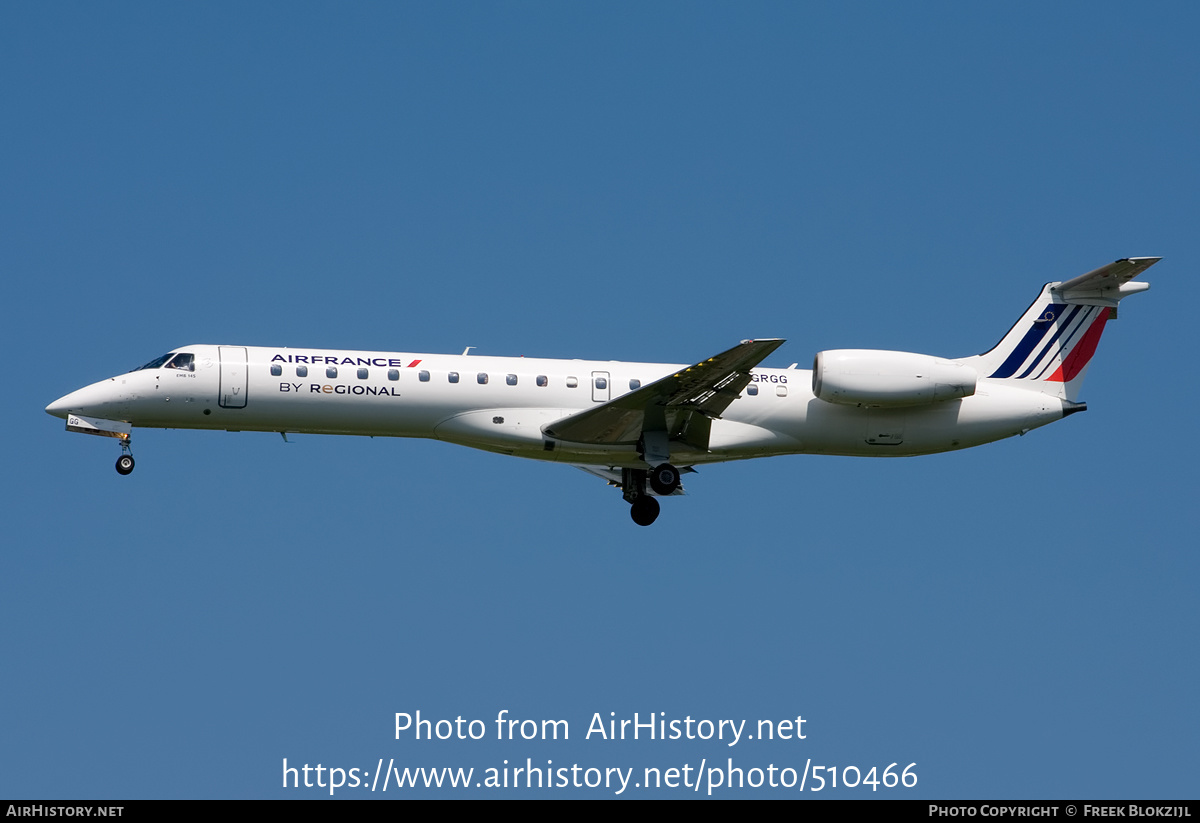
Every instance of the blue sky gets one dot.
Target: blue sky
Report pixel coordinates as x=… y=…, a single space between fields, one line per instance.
x=609 y=181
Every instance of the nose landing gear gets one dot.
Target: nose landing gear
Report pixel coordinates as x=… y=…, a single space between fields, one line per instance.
x=125 y=461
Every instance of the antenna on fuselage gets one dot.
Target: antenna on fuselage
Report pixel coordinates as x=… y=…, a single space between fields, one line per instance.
x=467 y=350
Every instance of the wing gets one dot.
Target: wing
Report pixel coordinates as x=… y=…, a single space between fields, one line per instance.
x=682 y=404
x=1108 y=284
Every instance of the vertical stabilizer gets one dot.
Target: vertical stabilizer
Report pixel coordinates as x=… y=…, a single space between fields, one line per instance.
x=1050 y=347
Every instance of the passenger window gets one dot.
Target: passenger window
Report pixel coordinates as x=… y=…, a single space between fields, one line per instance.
x=543 y=381
x=302 y=371
x=423 y=376
x=511 y=380
x=752 y=390
x=277 y=370
x=452 y=377
x=635 y=384
x=572 y=382
x=362 y=374
x=482 y=378
x=393 y=374
x=601 y=382
x=331 y=371
x=781 y=391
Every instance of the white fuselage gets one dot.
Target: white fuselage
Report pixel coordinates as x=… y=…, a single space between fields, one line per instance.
x=501 y=404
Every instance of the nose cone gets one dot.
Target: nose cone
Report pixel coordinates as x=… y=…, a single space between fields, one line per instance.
x=62 y=406
x=90 y=400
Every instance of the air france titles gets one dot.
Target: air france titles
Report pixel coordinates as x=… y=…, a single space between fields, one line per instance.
x=339 y=388
x=330 y=360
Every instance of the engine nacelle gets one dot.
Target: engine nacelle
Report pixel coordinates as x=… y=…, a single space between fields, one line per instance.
x=863 y=377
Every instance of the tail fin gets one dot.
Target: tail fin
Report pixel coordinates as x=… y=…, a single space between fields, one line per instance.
x=1050 y=347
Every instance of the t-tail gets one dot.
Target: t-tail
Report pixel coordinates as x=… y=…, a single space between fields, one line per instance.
x=1050 y=347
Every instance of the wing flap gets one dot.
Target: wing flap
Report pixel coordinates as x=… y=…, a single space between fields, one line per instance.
x=682 y=404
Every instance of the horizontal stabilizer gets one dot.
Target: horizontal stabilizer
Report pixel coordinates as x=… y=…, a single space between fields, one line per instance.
x=1106 y=285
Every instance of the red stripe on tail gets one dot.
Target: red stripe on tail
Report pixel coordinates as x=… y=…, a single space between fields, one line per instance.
x=1081 y=355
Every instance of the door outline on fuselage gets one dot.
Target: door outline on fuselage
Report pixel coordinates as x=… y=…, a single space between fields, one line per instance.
x=231 y=392
x=601 y=395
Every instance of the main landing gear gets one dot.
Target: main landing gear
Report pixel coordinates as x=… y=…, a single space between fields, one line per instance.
x=125 y=461
x=664 y=479
x=644 y=509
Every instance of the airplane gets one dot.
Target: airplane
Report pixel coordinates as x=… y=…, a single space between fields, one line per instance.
x=640 y=426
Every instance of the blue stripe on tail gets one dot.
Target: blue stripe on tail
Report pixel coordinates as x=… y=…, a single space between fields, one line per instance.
x=1066 y=324
x=1032 y=337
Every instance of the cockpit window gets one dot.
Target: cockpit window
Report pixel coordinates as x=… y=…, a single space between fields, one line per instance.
x=157 y=362
x=184 y=361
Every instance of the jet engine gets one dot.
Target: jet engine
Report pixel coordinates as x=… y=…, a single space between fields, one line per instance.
x=863 y=377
